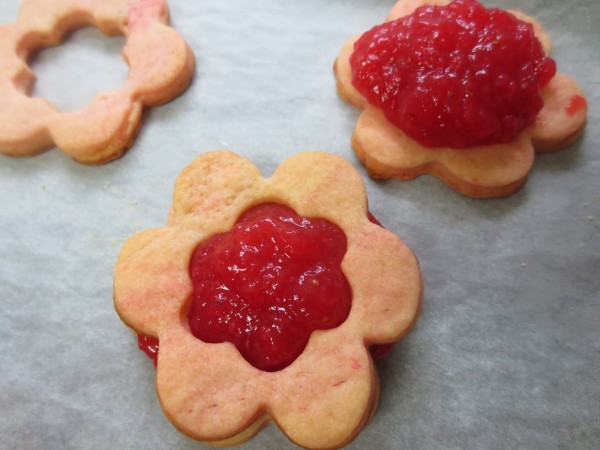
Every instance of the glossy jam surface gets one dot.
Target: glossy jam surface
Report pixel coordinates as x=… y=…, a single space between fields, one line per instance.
x=458 y=75
x=267 y=284
x=149 y=345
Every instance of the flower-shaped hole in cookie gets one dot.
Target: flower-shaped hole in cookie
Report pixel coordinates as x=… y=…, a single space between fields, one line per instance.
x=209 y=391
x=482 y=171
x=84 y=54
x=160 y=62
x=268 y=283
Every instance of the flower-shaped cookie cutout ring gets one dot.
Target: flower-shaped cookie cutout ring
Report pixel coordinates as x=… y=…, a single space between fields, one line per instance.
x=161 y=66
x=327 y=395
x=497 y=170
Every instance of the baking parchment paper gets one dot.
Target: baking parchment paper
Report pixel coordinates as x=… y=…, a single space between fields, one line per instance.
x=506 y=353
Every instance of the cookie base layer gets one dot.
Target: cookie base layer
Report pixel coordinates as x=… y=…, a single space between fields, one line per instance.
x=484 y=171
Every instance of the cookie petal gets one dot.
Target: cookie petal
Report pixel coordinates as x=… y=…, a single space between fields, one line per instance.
x=216 y=395
x=23 y=123
x=386 y=285
x=49 y=20
x=151 y=283
x=333 y=185
x=556 y=126
x=343 y=75
x=217 y=184
x=161 y=63
x=323 y=402
x=101 y=131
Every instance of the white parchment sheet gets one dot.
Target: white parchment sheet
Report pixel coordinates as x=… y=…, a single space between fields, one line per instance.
x=506 y=353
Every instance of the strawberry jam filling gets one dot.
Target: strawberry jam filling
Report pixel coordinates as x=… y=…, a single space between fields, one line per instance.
x=277 y=217
x=267 y=284
x=576 y=104
x=149 y=345
x=459 y=75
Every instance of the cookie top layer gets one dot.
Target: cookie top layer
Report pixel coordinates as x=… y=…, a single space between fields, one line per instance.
x=209 y=391
x=161 y=67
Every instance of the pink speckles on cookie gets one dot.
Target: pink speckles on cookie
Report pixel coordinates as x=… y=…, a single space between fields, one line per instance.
x=356 y=364
x=151 y=9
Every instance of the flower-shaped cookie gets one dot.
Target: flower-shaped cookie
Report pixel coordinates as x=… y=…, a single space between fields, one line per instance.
x=481 y=171
x=209 y=391
x=161 y=67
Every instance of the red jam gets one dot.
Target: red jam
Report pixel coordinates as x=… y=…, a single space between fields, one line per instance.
x=267 y=284
x=576 y=104
x=150 y=345
x=458 y=75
